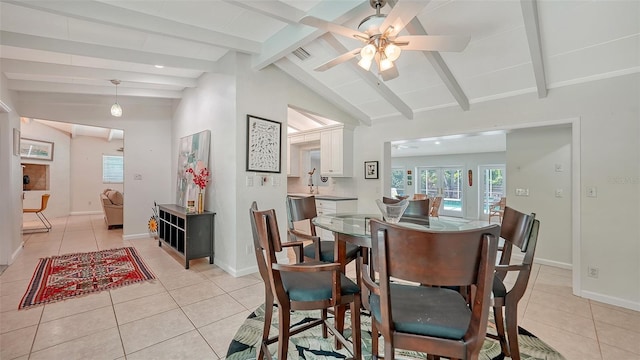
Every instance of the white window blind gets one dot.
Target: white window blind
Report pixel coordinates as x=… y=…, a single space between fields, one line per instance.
x=112 y=169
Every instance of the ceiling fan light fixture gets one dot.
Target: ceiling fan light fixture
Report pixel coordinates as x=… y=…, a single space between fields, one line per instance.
x=392 y=51
x=385 y=64
x=365 y=63
x=116 y=109
x=368 y=52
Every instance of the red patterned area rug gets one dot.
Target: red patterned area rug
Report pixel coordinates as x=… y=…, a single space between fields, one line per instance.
x=62 y=277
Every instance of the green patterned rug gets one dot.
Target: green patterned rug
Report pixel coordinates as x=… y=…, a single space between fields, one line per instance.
x=310 y=344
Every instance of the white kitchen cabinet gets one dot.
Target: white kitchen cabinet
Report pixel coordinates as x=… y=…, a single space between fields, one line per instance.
x=325 y=207
x=336 y=152
x=293 y=159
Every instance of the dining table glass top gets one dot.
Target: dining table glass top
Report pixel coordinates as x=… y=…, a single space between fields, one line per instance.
x=357 y=225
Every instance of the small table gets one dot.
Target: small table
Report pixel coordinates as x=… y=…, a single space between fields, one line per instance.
x=354 y=228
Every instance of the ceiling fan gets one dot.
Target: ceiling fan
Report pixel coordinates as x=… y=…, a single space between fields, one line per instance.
x=379 y=33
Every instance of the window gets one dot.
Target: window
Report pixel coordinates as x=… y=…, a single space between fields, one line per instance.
x=112 y=169
x=397 y=181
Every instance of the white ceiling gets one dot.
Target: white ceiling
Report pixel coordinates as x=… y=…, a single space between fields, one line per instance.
x=516 y=47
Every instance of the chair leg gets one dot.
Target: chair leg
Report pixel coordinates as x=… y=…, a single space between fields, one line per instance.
x=497 y=315
x=268 y=315
x=355 y=328
x=389 y=351
x=511 y=316
x=324 y=323
x=284 y=315
x=338 y=314
x=375 y=336
x=44 y=220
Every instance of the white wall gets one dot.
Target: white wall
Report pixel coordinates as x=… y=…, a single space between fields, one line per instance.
x=609 y=159
x=86 y=172
x=10 y=179
x=221 y=103
x=147 y=127
x=532 y=156
x=59 y=186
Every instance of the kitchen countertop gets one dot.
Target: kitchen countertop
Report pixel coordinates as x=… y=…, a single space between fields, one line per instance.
x=325 y=197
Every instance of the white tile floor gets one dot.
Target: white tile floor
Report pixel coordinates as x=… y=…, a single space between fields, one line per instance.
x=193 y=314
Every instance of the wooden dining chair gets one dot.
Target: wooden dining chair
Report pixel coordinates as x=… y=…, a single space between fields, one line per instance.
x=419 y=196
x=40 y=214
x=431 y=319
x=435 y=207
x=497 y=209
x=519 y=231
x=307 y=286
x=302 y=210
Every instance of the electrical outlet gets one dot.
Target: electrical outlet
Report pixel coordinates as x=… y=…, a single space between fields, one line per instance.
x=593 y=272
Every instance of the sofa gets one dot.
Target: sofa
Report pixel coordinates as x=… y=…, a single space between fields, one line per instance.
x=112 y=205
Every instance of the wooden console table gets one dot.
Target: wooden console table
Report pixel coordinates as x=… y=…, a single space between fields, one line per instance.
x=192 y=235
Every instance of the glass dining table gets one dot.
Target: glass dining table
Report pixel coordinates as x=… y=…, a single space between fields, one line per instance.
x=354 y=228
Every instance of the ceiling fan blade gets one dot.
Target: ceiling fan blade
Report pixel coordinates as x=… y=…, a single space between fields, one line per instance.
x=334 y=28
x=433 y=42
x=390 y=74
x=401 y=15
x=339 y=60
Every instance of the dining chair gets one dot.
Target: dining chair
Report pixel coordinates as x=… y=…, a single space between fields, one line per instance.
x=419 y=196
x=302 y=210
x=435 y=207
x=519 y=231
x=40 y=214
x=497 y=209
x=416 y=208
x=433 y=319
x=302 y=286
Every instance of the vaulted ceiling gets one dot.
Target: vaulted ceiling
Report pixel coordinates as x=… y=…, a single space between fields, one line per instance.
x=516 y=47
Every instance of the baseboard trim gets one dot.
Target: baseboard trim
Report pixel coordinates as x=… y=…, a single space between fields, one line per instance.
x=74 y=213
x=553 y=263
x=136 y=236
x=611 y=300
x=15 y=254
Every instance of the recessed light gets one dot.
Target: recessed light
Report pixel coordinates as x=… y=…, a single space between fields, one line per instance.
x=159 y=66
x=437 y=142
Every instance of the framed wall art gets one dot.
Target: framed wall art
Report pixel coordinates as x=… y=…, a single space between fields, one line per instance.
x=370 y=169
x=193 y=152
x=36 y=149
x=264 y=138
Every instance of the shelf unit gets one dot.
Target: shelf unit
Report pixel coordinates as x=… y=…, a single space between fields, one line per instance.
x=191 y=235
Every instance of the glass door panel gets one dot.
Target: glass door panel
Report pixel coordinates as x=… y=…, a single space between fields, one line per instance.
x=493 y=185
x=446 y=182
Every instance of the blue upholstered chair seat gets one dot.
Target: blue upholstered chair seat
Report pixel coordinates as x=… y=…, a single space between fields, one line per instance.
x=429 y=311
x=314 y=286
x=499 y=290
x=326 y=254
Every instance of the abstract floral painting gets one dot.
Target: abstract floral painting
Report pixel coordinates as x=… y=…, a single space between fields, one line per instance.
x=193 y=152
x=263 y=144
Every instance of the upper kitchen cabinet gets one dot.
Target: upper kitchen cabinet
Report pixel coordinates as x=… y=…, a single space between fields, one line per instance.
x=336 y=152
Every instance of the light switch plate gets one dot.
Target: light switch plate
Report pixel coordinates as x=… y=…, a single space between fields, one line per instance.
x=249 y=180
x=522 y=192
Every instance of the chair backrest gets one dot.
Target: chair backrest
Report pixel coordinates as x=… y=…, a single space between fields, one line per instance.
x=431 y=257
x=258 y=247
x=44 y=201
x=435 y=207
x=416 y=208
x=299 y=209
x=518 y=230
x=419 y=196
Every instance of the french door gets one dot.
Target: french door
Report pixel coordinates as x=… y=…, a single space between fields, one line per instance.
x=447 y=182
x=493 y=184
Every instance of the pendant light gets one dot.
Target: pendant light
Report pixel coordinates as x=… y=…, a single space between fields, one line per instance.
x=116 y=109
